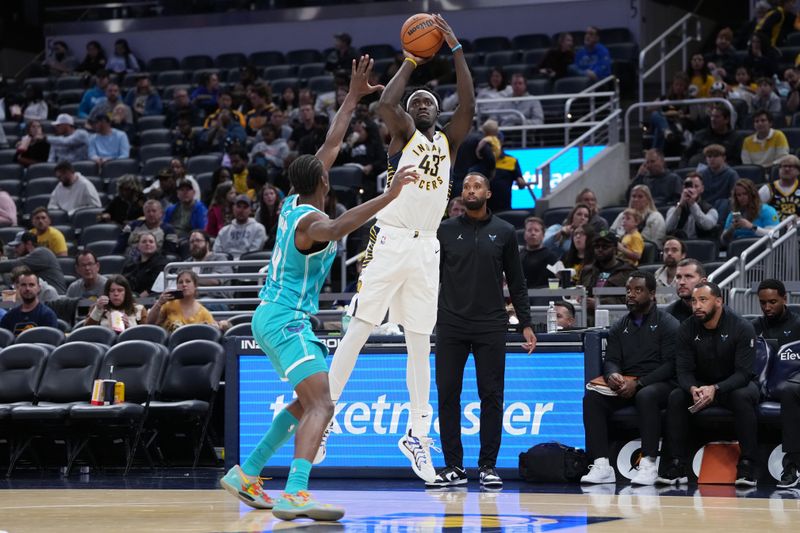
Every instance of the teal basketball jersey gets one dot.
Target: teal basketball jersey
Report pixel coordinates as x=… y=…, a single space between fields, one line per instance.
x=294 y=279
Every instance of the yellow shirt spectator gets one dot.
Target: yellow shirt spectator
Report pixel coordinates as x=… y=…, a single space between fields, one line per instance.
x=52 y=239
x=174 y=317
x=764 y=152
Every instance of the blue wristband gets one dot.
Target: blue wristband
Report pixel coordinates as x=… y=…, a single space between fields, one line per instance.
x=456 y=47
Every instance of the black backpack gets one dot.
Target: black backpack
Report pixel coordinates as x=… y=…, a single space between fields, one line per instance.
x=552 y=462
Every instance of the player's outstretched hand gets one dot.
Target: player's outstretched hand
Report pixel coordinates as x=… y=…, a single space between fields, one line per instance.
x=446 y=30
x=403 y=176
x=418 y=60
x=359 y=77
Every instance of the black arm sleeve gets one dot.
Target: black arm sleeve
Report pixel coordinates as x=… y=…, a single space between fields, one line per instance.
x=684 y=357
x=744 y=358
x=666 y=371
x=611 y=364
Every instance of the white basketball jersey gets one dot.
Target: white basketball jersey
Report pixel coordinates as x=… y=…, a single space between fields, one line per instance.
x=422 y=205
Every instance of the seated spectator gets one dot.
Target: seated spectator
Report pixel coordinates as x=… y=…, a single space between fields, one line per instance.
x=606 y=271
x=69 y=143
x=581 y=250
x=116 y=296
x=121 y=121
x=783 y=194
x=39 y=260
x=665 y=186
x=762 y=58
x=556 y=62
x=700 y=78
x=204 y=97
x=268 y=211
x=631 y=246
x=558 y=237
x=93 y=96
x=94 y=60
x=90 y=283
x=456 y=207
x=35 y=106
x=122 y=61
x=565 y=314
x=779 y=322
x=589 y=199
x=153 y=224
x=47 y=293
x=46 y=235
x=534 y=256
x=640 y=368
x=651 y=226
x=144 y=99
x=142 y=270
x=530 y=109
x=672 y=124
x=289 y=101
x=128 y=202
x=718 y=178
x=743 y=89
x=749 y=217
x=224 y=133
x=178 y=168
x=220 y=212
x=74 y=191
x=200 y=250
x=278 y=119
x=766 y=99
x=693 y=217
x=304 y=125
x=272 y=151
x=108 y=143
x=722 y=60
x=243 y=234
x=224 y=101
x=59 y=59
x=260 y=97
x=766 y=145
x=593 y=59
x=365 y=150
x=181 y=106
x=8 y=209
x=164 y=188
x=792 y=79
x=189 y=213
x=171 y=313
x=105 y=106
x=186 y=141
x=33 y=147
x=343 y=54
x=674 y=252
x=31 y=312
x=720 y=133
x=311 y=143
x=239 y=160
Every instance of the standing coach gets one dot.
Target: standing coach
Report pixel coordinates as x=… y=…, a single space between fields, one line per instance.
x=477 y=250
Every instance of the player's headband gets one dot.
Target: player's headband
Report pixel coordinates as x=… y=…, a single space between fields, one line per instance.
x=422 y=91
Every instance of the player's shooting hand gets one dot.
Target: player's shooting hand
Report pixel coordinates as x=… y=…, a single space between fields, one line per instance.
x=418 y=60
x=403 y=176
x=359 y=77
x=446 y=30
x=530 y=340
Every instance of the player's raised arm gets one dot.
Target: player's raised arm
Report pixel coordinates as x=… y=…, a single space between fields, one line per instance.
x=390 y=109
x=461 y=122
x=359 y=87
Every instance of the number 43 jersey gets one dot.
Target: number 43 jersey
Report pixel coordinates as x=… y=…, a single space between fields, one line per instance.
x=420 y=206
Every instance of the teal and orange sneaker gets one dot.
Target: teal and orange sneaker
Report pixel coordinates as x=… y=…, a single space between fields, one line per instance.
x=302 y=505
x=248 y=489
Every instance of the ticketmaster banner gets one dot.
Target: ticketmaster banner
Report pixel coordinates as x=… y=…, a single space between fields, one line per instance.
x=542 y=403
x=530 y=158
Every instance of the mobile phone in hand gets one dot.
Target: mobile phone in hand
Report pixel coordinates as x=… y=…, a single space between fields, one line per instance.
x=694 y=407
x=177 y=295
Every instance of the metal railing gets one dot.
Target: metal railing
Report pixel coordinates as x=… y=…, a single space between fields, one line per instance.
x=594 y=111
x=774 y=255
x=681 y=30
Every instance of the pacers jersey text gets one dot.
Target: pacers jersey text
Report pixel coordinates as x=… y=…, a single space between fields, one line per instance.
x=420 y=205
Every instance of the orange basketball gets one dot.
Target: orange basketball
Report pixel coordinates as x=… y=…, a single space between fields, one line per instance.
x=420 y=36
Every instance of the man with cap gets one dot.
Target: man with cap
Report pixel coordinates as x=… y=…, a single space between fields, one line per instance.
x=606 y=270
x=244 y=234
x=31 y=312
x=188 y=213
x=40 y=260
x=343 y=53
x=69 y=143
x=74 y=191
x=108 y=143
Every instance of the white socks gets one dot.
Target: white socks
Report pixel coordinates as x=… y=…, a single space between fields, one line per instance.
x=418 y=381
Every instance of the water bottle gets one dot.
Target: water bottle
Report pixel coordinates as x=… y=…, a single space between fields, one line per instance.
x=552 y=319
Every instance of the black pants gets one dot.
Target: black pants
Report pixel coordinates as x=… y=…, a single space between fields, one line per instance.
x=452 y=350
x=597 y=409
x=790 y=419
x=741 y=401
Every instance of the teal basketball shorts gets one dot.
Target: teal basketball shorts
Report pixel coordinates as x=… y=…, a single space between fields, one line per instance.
x=294 y=350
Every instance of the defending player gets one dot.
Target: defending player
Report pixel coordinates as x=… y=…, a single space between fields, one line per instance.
x=304 y=251
x=401 y=266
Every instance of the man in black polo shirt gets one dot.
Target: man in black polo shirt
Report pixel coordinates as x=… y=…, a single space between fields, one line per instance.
x=714 y=357
x=688 y=274
x=640 y=367
x=477 y=249
x=780 y=323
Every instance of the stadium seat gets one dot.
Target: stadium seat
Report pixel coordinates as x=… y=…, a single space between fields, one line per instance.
x=267 y=58
x=98 y=334
x=299 y=57
x=12 y=187
x=240 y=330
x=230 y=60
x=346 y=176
x=85 y=216
x=570 y=85
x=278 y=85
x=515 y=217
x=100 y=248
x=118 y=167
x=541 y=86
x=67 y=83
x=530 y=41
x=172 y=77
x=240 y=319
x=67 y=265
x=310 y=70
x=21 y=368
x=501 y=58
x=161 y=64
x=649 y=253
x=487 y=45
x=71 y=96
x=153 y=151
x=198 y=76
x=202 y=163
x=40 y=170
x=260 y=255
x=7 y=156
x=379 y=51
x=111 y=264
x=321 y=84
x=39 y=186
x=42 y=82
x=196 y=62
x=41 y=335
x=556 y=215
x=153 y=166
x=12 y=171
x=145 y=332
x=86 y=168
x=190 y=332
x=612 y=212
x=276 y=72
x=155 y=136
x=187 y=391
x=32 y=202
x=735 y=248
x=66 y=229
x=754 y=173
x=150 y=122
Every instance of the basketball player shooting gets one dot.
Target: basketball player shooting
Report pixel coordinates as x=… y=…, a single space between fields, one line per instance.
x=401 y=266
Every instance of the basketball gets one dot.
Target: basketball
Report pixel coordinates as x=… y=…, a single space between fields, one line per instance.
x=420 y=36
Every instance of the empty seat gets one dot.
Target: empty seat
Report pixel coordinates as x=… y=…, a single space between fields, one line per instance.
x=85 y=216
x=145 y=332
x=308 y=55
x=6 y=337
x=171 y=77
x=610 y=36
x=628 y=52
x=155 y=136
x=39 y=186
x=570 y=85
x=486 y=45
x=379 y=51
x=309 y=70
x=33 y=202
x=21 y=368
x=154 y=165
x=556 y=215
x=99 y=232
x=530 y=41
x=321 y=84
x=276 y=72
x=196 y=62
x=346 y=176
x=612 y=212
x=12 y=171
x=153 y=151
x=231 y=60
x=267 y=58
x=40 y=170
x=98 y=334
x=501 y=58
x=66 y=229
x=240 y=330
x=100 y=248
x=189 y=332
x=701 y=249
x=12 y=187
x=72 y=96
x=280 y=84
x=66 y=83
x=755 y=173
x=118 y=167
x=111 y=264
x=540 y=86
x=515 y=217
x=7 y=155
x=41 y=335
x=151 y=122
x=160 y=64
x=202 y=163
x=86 y=168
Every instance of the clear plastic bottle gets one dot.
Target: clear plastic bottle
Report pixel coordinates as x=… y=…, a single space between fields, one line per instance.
x=552 y=319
